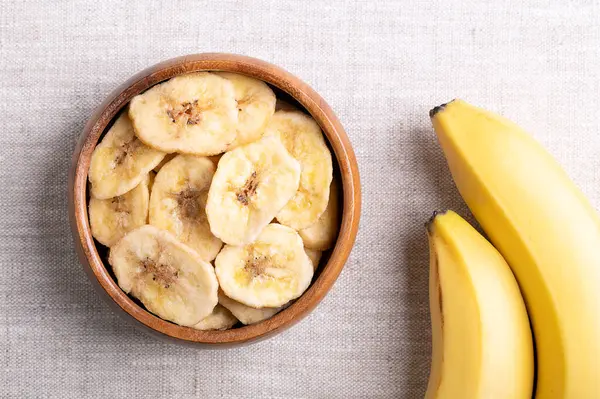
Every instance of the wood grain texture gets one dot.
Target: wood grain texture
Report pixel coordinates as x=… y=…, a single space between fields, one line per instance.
x=346 y=165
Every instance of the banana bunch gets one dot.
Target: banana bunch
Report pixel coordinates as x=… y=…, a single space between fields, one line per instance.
x=549 y=235
x=213 y=167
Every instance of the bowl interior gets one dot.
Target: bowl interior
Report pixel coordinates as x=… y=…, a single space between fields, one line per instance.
x=287 y=88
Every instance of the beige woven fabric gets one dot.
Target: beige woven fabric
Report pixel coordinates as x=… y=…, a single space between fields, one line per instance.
x=381 y=65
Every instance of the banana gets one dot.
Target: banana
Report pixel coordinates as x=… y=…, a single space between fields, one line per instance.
x=314 y=256
x=270 y=272
x=121 y=161
x=178 y=202
x=547 y=231
x=162 y=163
x=194 y=113
x=252 y=183
x=482 y=345
x=249 y=315
x=112 y=218
x=322 y=234
x=219 y=319
x=304 y=140
x=255 y=104
x=168 y=277
x=246 y=314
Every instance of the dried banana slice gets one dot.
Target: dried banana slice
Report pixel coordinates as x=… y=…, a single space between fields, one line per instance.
x=178 y=203
x=112 y=218
x=121 y=161
x=194 y=113
x=168 y=277
x=304 y=140
x=270 y=272
x=246 y=314
x=219 y=319
x=256 y=105
x=322 y=234
x=252 y=183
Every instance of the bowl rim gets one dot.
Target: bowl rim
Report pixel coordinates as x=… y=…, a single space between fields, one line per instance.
x=275 y=76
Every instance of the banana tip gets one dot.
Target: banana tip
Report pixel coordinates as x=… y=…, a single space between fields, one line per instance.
x=429 y=222
x=437 y=109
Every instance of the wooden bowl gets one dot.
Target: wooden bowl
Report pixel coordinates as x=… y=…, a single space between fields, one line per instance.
x=285 y=84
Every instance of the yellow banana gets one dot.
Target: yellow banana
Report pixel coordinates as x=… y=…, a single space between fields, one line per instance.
x=482 y=345
x=546 y=230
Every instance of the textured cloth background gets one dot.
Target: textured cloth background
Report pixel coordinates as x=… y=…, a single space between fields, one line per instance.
x=381 y=65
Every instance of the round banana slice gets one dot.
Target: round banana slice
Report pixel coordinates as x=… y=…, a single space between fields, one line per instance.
x=178 y=203
x=193 y=114
x=314 y=256
x=322 y=234
x=246 y=314
x=219 y=319
x=270 y=272
x=112 y=218
x=121 y=161
x=252 y=183
x=304 y=140
x=256 y=105
x=168 y=277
